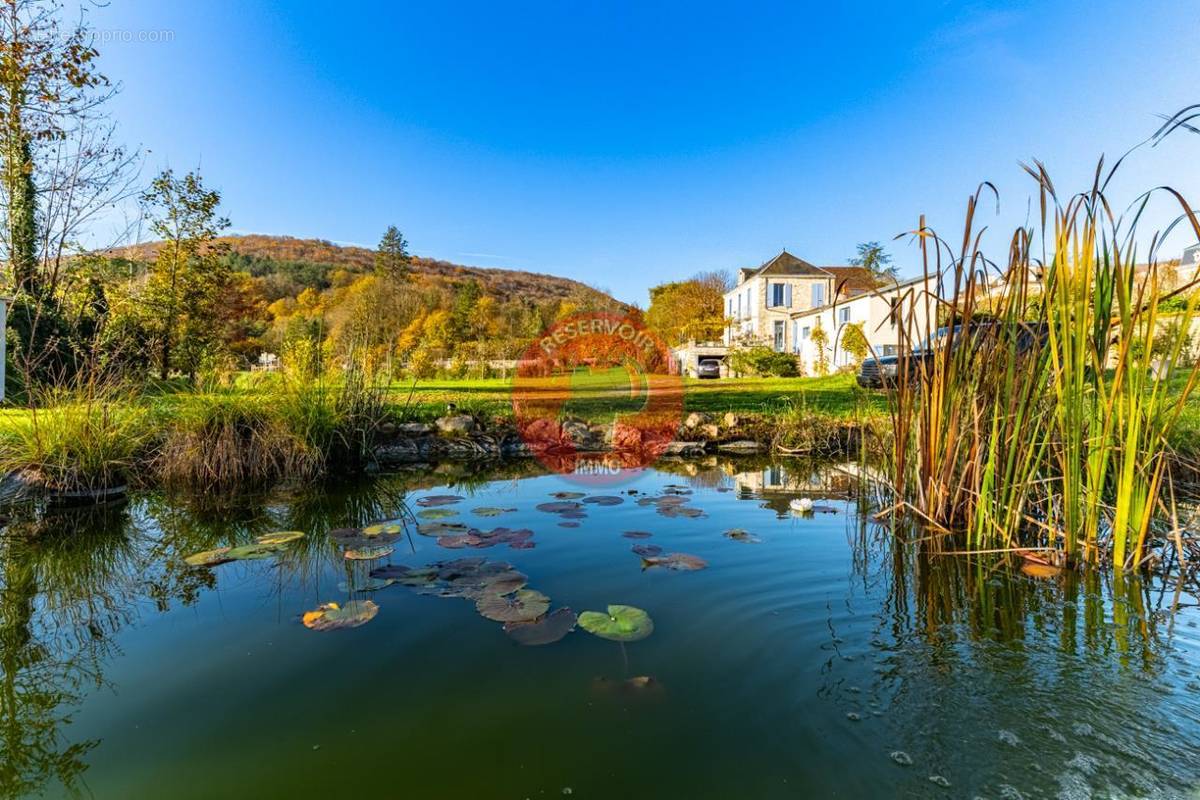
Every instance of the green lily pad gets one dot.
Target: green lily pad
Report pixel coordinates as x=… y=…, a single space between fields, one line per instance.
x=525 y=605
x=209 y=558
x=620 y=624
x=282 y=537
x=490 y=511
x=252 y=552
x=389 y=527
x=369 y=553
x=647 y=550
x=364 y=585
x=436 y=529
x=545 y=630
x=567 y=495
x=437 y=513
x=331 y=616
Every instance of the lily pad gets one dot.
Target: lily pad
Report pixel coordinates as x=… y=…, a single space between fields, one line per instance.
x=364 y=585
x=209 y=558
x=441 y=528
x=637 y=534
x=619 y=624
x=391 y=527
x=647 y=550
x=525 y=605
x=546 y=630
x=741 y=535
x=437 y=513
x=680 y=511
x=392 y=572
x=252 y=552
x=604 y=500
x=568 y=524
x=282 y=537
x=680 y=562
x=1035 y=570
x=369 y=553
x=490 y=511
x=564 y=507
x=567 y=495
x=435 y=500
x=331 y=616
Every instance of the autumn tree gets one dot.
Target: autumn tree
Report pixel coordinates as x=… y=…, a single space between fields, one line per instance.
x=391 y=257
x=854 y=341
x=820 y=340
x=689 y=310
x=189 y=274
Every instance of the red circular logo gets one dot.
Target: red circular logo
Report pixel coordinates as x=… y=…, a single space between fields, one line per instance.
x=593 y=400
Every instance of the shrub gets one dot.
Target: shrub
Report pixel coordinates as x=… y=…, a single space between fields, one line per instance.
x=763 y=361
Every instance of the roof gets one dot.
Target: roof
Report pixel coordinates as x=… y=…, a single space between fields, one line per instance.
x=853 y=279
x=850 y=279
x=787 y=264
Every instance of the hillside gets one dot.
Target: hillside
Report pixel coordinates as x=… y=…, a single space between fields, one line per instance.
x=309 y=261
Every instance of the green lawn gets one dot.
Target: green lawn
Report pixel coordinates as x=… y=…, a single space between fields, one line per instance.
x=595 y=394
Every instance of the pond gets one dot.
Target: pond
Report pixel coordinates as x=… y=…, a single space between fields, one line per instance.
x=812 y=656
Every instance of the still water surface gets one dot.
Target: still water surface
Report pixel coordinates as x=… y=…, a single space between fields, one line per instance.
x=823 y=660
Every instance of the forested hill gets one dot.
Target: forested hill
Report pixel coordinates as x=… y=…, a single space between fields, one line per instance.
x=289 y=265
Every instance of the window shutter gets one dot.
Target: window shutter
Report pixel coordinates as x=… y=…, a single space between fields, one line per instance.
x=787 y=295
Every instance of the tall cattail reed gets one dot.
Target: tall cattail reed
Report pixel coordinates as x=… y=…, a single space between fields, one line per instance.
x=1041 y=417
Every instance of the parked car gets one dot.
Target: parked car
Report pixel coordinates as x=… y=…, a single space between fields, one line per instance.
x=708 y=368
x=883 y=372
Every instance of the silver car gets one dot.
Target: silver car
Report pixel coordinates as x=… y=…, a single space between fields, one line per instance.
x=708 y=368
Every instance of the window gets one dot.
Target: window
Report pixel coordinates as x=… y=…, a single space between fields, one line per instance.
x=818 y=295
x=776 y=295
x=843 y=315
x=779 y=336
x=888 y=350
x=729 y=306
x=804 y=332
x=739 y=305
x=795 y=336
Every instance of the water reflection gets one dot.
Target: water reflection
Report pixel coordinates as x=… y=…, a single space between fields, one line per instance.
x=1061 y=653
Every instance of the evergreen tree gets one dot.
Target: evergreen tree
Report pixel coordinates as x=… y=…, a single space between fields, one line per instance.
x=391 y=257
x=872 y=257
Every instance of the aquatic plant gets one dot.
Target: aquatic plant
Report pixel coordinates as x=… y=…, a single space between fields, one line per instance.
x=1043 y=416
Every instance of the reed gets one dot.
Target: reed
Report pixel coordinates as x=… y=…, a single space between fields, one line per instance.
x=1043 y=416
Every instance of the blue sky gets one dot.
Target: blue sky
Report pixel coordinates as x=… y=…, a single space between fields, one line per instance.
x=629 y=144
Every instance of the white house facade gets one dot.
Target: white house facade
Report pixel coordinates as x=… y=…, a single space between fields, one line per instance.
x=882 y=314
x=781 y=303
